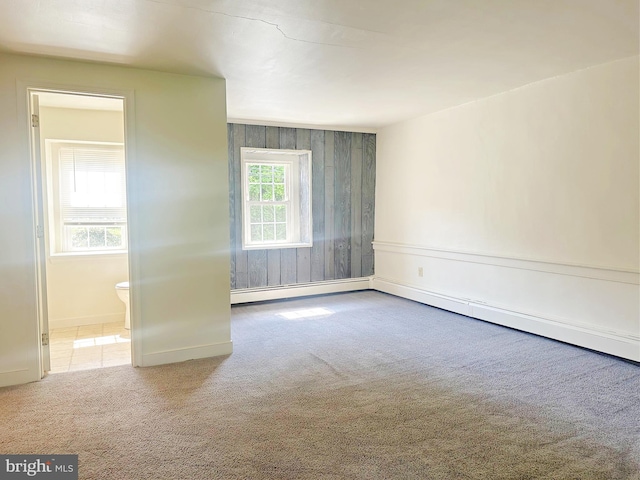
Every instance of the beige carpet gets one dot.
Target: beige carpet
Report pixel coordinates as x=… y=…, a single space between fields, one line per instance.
x=369 y=390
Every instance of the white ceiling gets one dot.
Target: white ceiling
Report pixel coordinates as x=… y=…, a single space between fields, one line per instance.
x=357 y=64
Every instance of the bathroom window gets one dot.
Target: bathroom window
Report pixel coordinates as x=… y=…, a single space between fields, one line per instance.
x=276 y=191
x=87 y=188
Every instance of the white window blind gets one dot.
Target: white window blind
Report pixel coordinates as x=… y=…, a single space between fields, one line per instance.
x=92 y=185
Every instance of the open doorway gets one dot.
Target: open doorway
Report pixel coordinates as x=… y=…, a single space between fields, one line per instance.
x=83 y=248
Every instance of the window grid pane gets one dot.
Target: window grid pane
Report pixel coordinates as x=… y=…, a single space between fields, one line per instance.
x=267 y=183
x=94 y=237
x=268 y=223
x=266 y=191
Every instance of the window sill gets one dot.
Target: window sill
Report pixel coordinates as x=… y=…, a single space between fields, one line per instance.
x=87 y=256
x=279 y=246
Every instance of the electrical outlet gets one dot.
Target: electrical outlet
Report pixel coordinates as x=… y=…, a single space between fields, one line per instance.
x=420 y=271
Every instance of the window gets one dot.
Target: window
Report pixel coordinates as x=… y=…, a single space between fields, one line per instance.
x=276 y=192
x=87 y=208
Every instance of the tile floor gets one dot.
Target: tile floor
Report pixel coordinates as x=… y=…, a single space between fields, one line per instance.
x=89 y=346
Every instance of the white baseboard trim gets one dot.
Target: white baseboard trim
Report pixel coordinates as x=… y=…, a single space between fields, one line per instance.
x=614 y=343
x=184 y=354
x=247 y=295
x=18 y=377
x=428 y=298
x=89 y=320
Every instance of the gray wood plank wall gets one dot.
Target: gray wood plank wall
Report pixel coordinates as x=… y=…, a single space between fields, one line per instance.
x=343 y=186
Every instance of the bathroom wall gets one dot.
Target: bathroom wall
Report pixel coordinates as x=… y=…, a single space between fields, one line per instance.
x=521 y=209
x=343 y=183
x=80 y=288
x=178 y=195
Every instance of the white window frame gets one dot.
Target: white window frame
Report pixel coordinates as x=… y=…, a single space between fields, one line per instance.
x=59 y=243
x=299 y=221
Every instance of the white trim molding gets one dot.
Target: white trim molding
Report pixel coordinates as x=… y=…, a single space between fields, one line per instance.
x=310 y=126
x=612 y=274
x=17 y=377
x=184 y=354
x=246 y=295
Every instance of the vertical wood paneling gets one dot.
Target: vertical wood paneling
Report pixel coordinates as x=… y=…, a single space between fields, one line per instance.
x=317 y=205
x=368 y=199
x=288 y=256
x=343 y=189
x=273 y=267
x=342 y=204
x=273 y=255
x=273 y=137
x=329 y=189
x=303 y=264
x=256 y=137
x=356 y=205
x=288 y=266
x=303 y=139
x=303 y=255
x=232 y=207
x=288 y=138
x=257 y=268
x=242 y=260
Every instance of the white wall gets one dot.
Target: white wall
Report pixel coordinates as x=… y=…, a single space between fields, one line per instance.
x=178 y=210
x=80 y=288
x=523 y=208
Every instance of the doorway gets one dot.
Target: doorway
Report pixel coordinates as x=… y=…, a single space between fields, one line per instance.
x=80 y=177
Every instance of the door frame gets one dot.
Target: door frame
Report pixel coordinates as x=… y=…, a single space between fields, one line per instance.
x=25 y=90
x=40 y=244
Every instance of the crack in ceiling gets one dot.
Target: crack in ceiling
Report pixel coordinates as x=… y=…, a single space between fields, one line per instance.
x=253 y=19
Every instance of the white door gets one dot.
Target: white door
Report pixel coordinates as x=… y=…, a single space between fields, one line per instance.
x=41 y=271
x=20 y=340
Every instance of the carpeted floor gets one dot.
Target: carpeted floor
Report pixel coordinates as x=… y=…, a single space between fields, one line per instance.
x=351 y=386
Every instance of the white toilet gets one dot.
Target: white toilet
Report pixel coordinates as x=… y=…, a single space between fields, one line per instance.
x=122 y=289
